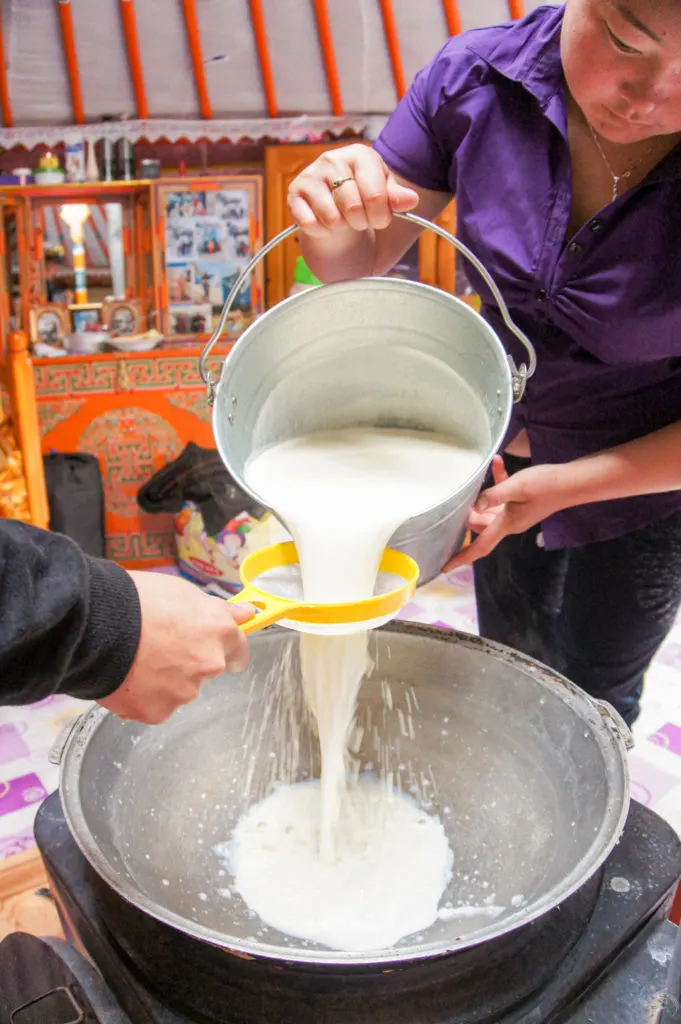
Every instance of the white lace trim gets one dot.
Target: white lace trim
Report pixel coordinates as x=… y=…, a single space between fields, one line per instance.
x=283 y=129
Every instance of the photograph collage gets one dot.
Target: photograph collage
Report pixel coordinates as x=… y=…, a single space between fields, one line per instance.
x=208 y=244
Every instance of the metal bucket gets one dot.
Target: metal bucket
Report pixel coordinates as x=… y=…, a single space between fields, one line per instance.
x=372 y=352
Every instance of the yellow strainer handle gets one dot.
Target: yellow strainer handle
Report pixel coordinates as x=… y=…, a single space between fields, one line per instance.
x=270 y=608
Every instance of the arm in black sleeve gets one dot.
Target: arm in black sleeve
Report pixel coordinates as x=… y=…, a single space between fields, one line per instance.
x=68 y=623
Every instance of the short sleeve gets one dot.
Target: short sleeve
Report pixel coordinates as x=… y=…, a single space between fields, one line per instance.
x=420 y=139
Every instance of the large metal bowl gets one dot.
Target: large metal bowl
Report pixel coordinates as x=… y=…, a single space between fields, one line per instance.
x=529 y=775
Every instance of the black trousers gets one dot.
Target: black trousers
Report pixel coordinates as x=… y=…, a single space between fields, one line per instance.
x=597 y=614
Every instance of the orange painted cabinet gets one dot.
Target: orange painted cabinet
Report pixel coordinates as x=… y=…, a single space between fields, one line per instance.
x=135 y=413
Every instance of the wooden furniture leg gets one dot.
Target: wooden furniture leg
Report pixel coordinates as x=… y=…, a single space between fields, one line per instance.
x=22 y=391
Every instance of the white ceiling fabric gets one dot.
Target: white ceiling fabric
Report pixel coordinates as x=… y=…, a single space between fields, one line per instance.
x=39 y=87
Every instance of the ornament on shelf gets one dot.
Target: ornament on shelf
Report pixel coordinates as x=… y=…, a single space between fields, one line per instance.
x=75 y=160
x=92 y=167
x=49 y=172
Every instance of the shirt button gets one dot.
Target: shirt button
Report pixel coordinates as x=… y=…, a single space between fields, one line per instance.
x=575 y=248
x=596 y=226
x=540 y=296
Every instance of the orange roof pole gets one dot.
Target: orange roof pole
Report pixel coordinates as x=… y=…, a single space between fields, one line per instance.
x=329 y=56
x=69 y=41
x=516 y=9
x=191 y=21
x=5 y=105
x=454 y=26
x=134 y=59
x=260 y=33
x=393 y=43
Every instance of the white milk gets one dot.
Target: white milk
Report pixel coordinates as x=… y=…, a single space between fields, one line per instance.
x=342 y=495
x=392 y=865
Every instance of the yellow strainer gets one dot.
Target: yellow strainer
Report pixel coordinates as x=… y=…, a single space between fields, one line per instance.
x=322 y=618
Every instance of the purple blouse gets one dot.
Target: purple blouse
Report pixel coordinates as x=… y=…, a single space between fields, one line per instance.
x=487 y=121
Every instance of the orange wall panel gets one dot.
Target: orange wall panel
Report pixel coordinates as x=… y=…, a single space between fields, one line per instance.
x=135 y=414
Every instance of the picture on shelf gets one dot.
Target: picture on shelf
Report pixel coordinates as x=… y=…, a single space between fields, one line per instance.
x=209 y=237
x=232 y=205
x=180 y=282
x=122 y=316
x=191 y=320
x=87 y=317
x=49 y=324
x=180 y=242
x=238 y=241
x=207 y=286
x=243 y=300
x=186 y=204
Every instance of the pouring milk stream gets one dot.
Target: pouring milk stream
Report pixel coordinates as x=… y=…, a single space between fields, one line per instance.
x=342 y=494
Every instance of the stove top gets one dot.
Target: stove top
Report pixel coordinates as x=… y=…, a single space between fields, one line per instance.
x=616 y=970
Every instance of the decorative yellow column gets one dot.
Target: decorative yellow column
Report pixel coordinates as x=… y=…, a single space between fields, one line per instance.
x=75 y=215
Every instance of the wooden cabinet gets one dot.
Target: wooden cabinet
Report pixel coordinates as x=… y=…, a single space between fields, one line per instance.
x=180 y=245
x=175 y=246
x=135 y=412
x=436 y=258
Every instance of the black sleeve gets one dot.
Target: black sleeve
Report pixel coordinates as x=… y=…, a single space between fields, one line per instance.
x=68 y=623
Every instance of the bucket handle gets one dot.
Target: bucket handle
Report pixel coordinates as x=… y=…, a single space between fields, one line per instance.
x=520 y=374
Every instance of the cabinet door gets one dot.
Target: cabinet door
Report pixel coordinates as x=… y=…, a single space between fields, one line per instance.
x=437 y=262
x=14 y=267
x=135 y=414
x=282 y=164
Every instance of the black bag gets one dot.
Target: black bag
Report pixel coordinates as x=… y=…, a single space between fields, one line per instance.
x=76 y=498
x=198 y=475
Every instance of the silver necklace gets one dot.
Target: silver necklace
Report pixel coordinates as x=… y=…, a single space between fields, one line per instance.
x=617 y=178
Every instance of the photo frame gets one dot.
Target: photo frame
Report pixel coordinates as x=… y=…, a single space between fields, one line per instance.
x=210 y=230
x=49 y=323
x=122 y=316
x=85 y=316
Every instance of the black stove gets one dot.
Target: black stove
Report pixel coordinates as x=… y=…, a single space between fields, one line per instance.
x=619 y=962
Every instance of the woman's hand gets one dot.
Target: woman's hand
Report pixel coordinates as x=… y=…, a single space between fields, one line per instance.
x=514 y=504
x=367 y=198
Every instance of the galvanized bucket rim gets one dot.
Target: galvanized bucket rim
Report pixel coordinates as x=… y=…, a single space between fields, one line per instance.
x=370 y=283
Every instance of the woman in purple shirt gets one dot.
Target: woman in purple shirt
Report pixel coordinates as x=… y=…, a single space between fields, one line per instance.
x=559 y=135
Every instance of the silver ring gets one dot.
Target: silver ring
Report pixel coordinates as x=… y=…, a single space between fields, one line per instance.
x=337 y=182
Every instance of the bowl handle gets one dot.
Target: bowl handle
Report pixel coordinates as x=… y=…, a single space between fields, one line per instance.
x=613 y=717
x=59 y=746
x=520 y=374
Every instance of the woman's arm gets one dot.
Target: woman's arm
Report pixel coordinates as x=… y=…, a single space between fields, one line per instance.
x=648 y=465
